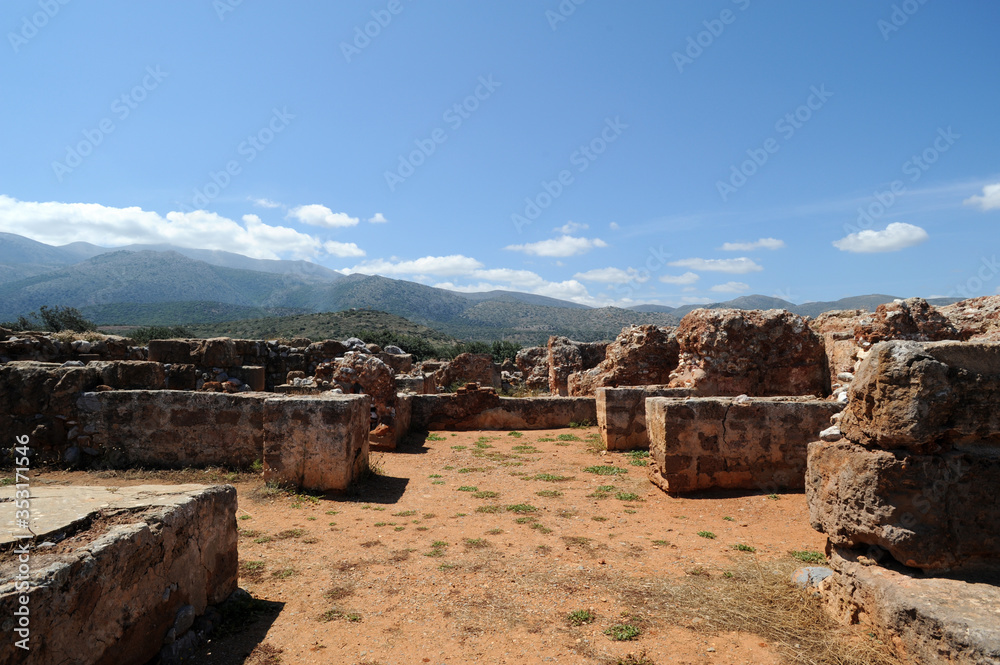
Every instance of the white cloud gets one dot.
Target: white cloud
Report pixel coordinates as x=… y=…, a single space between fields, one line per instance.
x=990 y=199
x=342 y=249
x=264 y=203
x=894 y=237
x=562 y=246
x=59 y=223
x=686 y=278
x=739 y=266
x=377 y=218
x=763 y=243
x=571 y=227
x=696 y=300
x=612 y=276
x=454 y=264
x=614 y=226
x=731 y=287
x=315 y=214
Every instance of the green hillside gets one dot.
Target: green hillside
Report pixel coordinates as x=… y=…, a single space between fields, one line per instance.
x=326 y=325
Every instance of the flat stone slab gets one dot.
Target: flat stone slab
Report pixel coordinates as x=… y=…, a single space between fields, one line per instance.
x=54 y=508
x=930 y=620
x=113 y=575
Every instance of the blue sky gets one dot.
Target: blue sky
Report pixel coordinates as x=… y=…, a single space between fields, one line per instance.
x=607 y=153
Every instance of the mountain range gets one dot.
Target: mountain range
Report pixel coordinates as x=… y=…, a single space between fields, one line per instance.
x=167 y=285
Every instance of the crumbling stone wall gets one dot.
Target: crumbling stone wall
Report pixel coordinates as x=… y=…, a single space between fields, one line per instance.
x=757 y=353
x=639 y=356
x=58 y=348
x=755 y=443
x=566 y=357
x=533 y=363
x=172 y=429
x=40 y=399
x=477 y=368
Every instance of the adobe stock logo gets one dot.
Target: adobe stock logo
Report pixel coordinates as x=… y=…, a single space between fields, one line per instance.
x=455 y=116
x=787 y=126
x=30 y=27
x=122 y=108
x=581 y=158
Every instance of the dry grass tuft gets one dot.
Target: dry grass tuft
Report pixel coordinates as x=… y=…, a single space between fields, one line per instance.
x=759 y=598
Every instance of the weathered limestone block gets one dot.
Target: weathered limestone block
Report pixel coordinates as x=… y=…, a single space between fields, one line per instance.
x=172 y=351
x=928 y=511
x=639 y=356
x=216 y=352
x=401 y=363
x=735 y=443
x=926 y=397
x=317 y=443
x=566 y=357
x=470 y=368
x=621 y=414
x=174 y=429
x=131 y=374
x=111 y=590
x=750 y=352
x=484 y=409
x=418 y=384
x=930 y=620
x=533 y=362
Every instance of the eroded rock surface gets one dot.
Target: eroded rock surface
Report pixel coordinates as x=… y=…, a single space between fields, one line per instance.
x=757 y=353
x=639 y=356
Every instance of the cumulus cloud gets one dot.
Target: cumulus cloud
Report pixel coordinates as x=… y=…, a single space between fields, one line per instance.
x=559 y=247
x=731 y=287
x=571 y=227
x=377 y=218
x=763 y=243
x=315 y=214
x=454 y=264
x=342 y=249
x=740 y=266
x=612 y=276
x=686 y=278
x=614 y=226
x=57 y=223
x=990 y=200
x=264 y=203
x=894 y=237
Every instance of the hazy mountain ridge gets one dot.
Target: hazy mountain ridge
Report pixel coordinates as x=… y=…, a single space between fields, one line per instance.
x=164 y=285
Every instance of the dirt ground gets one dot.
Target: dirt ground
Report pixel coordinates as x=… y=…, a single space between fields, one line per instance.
x=477 y=547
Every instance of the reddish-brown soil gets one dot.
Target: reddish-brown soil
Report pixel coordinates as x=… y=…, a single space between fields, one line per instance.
x=423 y=564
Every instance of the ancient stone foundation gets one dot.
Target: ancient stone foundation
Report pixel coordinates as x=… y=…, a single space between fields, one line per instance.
x=736 y=443
x=929 y=620
x=129 y=572
x=484 y=409
x=621 y=414
x=314 y=441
